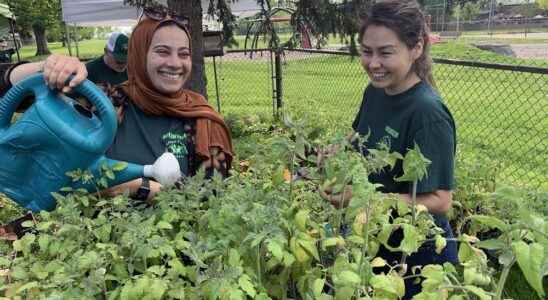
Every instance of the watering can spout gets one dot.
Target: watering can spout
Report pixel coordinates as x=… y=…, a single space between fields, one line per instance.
x=165 y=170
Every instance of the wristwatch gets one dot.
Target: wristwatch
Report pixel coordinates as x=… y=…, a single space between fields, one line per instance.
x=144 y=190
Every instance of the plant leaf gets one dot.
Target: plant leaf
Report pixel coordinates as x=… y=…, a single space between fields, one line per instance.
x=415 y=165
x=300 y=219
x=310 y=247
x=490 y=221
x=247 y=286
x=441 y=242
x=530 y=259
x=482 y=294
x=491 y=244
x=350 y=278
x=318 y=287
x=391 y=284
x=275 y=248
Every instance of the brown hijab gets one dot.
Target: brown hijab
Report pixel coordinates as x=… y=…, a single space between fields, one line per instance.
x=211 y=130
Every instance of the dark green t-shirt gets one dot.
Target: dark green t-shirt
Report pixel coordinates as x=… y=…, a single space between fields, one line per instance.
x=142 y=138
x=417 y=115
x=99 y=72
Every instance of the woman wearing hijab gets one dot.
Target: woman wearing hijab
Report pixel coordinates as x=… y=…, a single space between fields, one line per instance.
x=155 y=113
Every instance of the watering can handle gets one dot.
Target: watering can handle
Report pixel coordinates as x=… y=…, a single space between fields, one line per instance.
x=36 y=84
x=9 y=103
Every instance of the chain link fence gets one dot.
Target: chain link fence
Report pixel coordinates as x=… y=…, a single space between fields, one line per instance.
x=499 y=108
x=244 y=82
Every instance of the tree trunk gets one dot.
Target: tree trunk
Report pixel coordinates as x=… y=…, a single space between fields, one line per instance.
x=193 y=9
x=41 y=42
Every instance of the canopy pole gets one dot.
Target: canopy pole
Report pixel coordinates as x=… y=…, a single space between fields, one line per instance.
x=15 y=43
x=67 y=38
x=76 y=40
x=216 y=85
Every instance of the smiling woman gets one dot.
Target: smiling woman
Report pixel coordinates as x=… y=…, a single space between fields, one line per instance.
x=155 y=113
x=401 y=109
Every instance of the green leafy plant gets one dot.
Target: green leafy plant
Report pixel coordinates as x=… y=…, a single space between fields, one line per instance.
x=266 y=233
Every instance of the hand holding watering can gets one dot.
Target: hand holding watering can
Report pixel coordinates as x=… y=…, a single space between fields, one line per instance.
x=54 y=137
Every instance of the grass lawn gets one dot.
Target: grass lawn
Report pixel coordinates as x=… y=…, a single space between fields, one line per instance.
x=87 y=49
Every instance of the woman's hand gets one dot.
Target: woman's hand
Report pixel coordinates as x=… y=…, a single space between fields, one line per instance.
x=58 y=68
x=336 y=199
x=155 y=188
x=437 y=202
x=131 y=187
x=217 y=160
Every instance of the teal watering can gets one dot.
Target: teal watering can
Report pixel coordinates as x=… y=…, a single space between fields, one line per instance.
x=55 y=136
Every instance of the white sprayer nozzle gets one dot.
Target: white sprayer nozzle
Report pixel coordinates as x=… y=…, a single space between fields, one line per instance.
x=165 y=169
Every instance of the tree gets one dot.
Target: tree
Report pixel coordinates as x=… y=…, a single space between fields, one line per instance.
x=325 y=17
x=193 y=8
x=37 y=15
x=470 y=10
x=542 y=4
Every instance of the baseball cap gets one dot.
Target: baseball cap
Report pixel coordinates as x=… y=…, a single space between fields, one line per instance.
x=117 y=45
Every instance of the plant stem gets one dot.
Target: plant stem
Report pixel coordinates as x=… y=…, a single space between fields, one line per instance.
x=259 y=265
x=447 y=239
x=413 y=219
x=537 y=231
x=414 y=204
x=452 y=277
x=292 y=171
x=411 y=276
x=365 y=238
x=503 y=277
x=340 y=210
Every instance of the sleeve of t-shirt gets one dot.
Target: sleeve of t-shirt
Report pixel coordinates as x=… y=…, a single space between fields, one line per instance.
x=90 y=67
x=5 y=73
x=5 y=86
x=356 y=122
x=437 y=143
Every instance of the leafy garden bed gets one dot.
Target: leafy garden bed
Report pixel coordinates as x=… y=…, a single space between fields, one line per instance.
x=265 y=232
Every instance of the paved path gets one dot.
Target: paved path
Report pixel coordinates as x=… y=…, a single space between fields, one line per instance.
x=534 y=51
x=521 y=35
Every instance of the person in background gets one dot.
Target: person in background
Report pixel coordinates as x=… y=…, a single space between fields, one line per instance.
x=5 y=52
x=111 y=67
x=401 y=108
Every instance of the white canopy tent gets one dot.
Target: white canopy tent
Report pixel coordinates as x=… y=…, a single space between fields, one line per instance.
x=115 y=13
x=98 y=13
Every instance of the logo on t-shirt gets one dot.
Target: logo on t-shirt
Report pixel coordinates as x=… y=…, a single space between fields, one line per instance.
x=391 y=132
x=176 y=144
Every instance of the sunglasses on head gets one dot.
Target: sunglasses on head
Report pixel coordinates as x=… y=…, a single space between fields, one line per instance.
x=160 y=13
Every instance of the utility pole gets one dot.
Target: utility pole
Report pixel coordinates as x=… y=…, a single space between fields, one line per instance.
x=443 y=15
x=527 y=16
x=490 y=18
x=457 y=8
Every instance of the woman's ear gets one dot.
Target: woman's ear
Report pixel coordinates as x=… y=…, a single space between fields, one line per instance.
x=418 y=49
